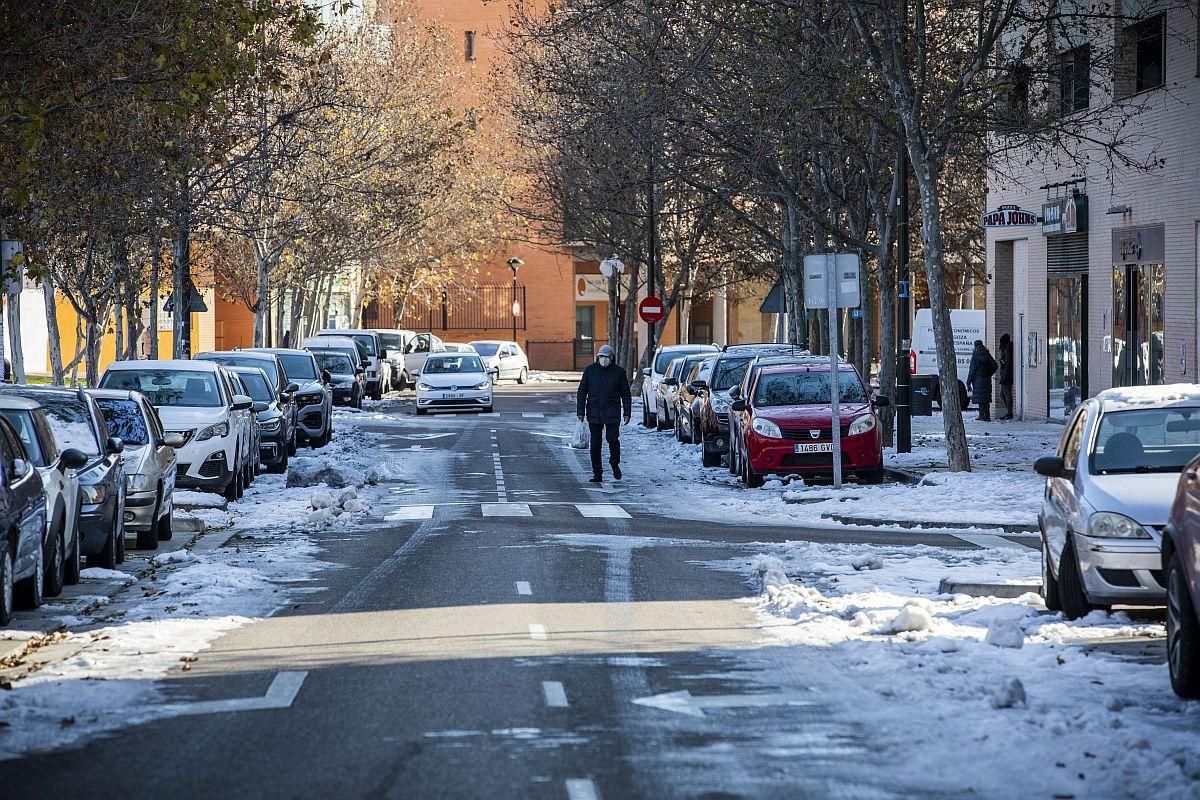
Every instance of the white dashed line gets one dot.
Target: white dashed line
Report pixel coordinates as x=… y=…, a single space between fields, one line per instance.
x=581 y=789
x=506 y=510
x=555 y=694
x=410 y=512
x=600 y=510
x=532 y=415
x=538 y=632
x=523 y=587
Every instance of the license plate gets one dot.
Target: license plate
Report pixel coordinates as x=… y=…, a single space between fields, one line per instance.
x=814 y=447
x=453 y=396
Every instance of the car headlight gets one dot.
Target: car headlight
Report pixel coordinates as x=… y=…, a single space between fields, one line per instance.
x=1111 y=525
x=861 y=425
x=271 y=425
x=308 y=399
x=764 y=427
x=483 y=385
x=346 y=385
x=219 y=429
x=94 y=493
x=424 y=387
x=138 y=483
x=718 y=405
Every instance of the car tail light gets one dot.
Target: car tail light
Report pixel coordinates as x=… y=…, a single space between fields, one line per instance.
x=912 y=362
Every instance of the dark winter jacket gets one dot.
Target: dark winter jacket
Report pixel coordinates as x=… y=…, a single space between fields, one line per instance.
x=1004 y=376
x=603 y=392
x=983 y=367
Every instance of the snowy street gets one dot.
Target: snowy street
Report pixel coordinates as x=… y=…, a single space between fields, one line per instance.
x=453 y=611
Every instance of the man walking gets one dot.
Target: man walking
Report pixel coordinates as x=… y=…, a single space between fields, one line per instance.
x=1004 y=375
x=603 y=395
x=983 y=367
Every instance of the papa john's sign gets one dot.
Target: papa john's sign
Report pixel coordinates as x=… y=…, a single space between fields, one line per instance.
x=1008 y=217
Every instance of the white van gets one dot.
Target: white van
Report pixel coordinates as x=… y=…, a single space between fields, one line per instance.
x=968 y=325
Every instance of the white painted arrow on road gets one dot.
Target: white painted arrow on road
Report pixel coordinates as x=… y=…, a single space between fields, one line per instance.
x=684 y=702
x=421 y=437
x=280 y=694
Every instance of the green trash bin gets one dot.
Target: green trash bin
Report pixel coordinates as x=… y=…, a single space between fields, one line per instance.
x=921 y=395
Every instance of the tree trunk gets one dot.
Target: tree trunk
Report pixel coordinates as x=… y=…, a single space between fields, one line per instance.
x=155 y=277
x=54 y=338
x=179 y=269
x=612 y=327
x=793 y=277
x=295 y=315
x=885 y=272
x=118 y=313
x=262 y=291
x=17 y=353
x=277 y=311
x=624 y=347
x=79 y=348
x=93 y=336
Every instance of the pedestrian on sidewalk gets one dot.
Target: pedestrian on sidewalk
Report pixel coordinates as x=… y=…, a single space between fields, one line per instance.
x=1004 y=375
x=603 y=395
x=983 y=367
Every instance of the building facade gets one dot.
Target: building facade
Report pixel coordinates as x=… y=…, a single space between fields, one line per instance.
x=1097 y=284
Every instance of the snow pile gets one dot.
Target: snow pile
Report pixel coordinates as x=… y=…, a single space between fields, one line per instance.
x=326 y=506
x=102 y=574
x=182 y=498
x=315 y=470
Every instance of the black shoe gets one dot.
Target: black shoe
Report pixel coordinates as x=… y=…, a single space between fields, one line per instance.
x=595 y=479
x=616 y=472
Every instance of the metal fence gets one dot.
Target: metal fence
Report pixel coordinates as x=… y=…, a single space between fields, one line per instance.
x=462 y=308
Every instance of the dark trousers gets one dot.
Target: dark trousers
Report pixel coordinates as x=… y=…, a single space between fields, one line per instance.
x=612 y=432
x=1006 y=400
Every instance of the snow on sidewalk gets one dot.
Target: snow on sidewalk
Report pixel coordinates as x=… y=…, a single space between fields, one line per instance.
x=944 y=681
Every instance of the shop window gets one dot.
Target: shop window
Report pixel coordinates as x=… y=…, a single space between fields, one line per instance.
x=470 y=45
x=1142 y=56
x=1138 y=329
x=1066 y=344
x=1074 y=70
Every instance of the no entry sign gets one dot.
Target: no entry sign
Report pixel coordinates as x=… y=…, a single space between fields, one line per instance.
x=651 y=310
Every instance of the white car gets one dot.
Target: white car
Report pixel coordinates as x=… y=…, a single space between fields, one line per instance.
x=504 y=359
x=395 y=345
x=457 y=347
x=419 y=348
x=454 y=382
x=1109 y=490
x=663 y=357
x=193 y=398
x=378 y=377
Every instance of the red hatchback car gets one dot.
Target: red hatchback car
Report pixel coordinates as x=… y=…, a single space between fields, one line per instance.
x=1181 y=564
x=786 y=424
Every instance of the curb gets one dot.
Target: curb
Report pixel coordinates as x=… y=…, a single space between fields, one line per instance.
x=902 y=476
x=1007 y=591
x=876 y=522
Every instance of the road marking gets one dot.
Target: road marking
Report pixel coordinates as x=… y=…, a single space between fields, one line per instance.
x=602 y=510
x=420 y=437
x=523 y=587
x=581 y=789
x=538 y=632
x=532 y=415
x=410 y=512
x=684 y=702
x=280 y=694
x=506 y=510
x=989 y=540
x=555 y=694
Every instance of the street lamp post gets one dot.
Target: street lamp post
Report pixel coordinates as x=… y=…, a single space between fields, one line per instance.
x=515 y=264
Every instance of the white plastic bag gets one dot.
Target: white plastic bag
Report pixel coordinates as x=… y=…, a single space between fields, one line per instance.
x=581 y=439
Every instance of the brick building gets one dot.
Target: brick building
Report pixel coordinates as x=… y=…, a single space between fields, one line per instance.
x=1100 y=290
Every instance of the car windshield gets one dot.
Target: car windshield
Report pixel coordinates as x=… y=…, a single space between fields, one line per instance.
x=665 y=358
x=298 y=367
x=123 y=419
x=729 y=372
x=688 y=366
x=445 y=366
x=392 y=341
x=256 y=384
x=22 y=422
x=486 y=349
x=168 y=387
x=806 y=389
x=265 y=365
x=1146 y=440
x=71 y=422
x=336 y=363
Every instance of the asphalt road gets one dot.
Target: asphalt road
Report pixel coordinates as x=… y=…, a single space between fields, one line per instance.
x=467 y=653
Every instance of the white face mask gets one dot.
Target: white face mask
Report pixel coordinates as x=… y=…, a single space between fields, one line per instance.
x=605 y=361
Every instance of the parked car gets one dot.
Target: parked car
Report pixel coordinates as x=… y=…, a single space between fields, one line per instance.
x=690 y=388
x=378 y=378
x=727 y=372
x=395 y=344
x=1109 y=489
x=251 y=452
x=664 y=396
x=1181 y=566
x=505 y=359
x=735 y=392
x=454 y=381
x=273 y=442
x=458 y=347
x=23 y=517
x=967 y=325
x=193 y=399
x=663 y=357
x=787 y=424
x=61 y=553
x=346 y=377
x=148 y=459
x=283 y=388
x=420 y=346
x=77 y=423
x=314 y=398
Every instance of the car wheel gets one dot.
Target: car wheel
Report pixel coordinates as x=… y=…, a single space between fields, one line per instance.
x=871 y=476
x=119 y=537
x=1071 y=593
x=162 y=525
x=422 y=412
x=148 y=539
x=1050 y=593
x=1183 y=633
x=733 y=459
x=524 y=376
x=73 y=562
x=231 y=489
x=661 y=422
x=6 y=583
x=648 y=420
x=27 y=594
x=291 y=447
x=707 y=458
x=281 y=466
x=55 y=560
x=107 y=557
x=749 y=477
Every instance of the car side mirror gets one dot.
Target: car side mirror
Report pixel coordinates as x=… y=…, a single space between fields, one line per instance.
x=738 y=405
x=383 y=354
x=881 y=402
x=735 y=393
x=20 y=468
x=242 y=402
x=325 y=376
x=364 y=363
x=699 y=385
x=114 y=444
x=670 y=382
x=1053 y=467
x=72 y=458
x=292 y=387
x=174 y=440
x=259 y=406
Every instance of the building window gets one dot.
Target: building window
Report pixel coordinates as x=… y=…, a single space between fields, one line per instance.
x=1017 y=105
x=1074 y=70
x=1142 y=57
x=470 y=45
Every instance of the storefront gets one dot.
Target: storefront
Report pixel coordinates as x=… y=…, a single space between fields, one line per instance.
x=1065 y=225
x=1136 y=342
